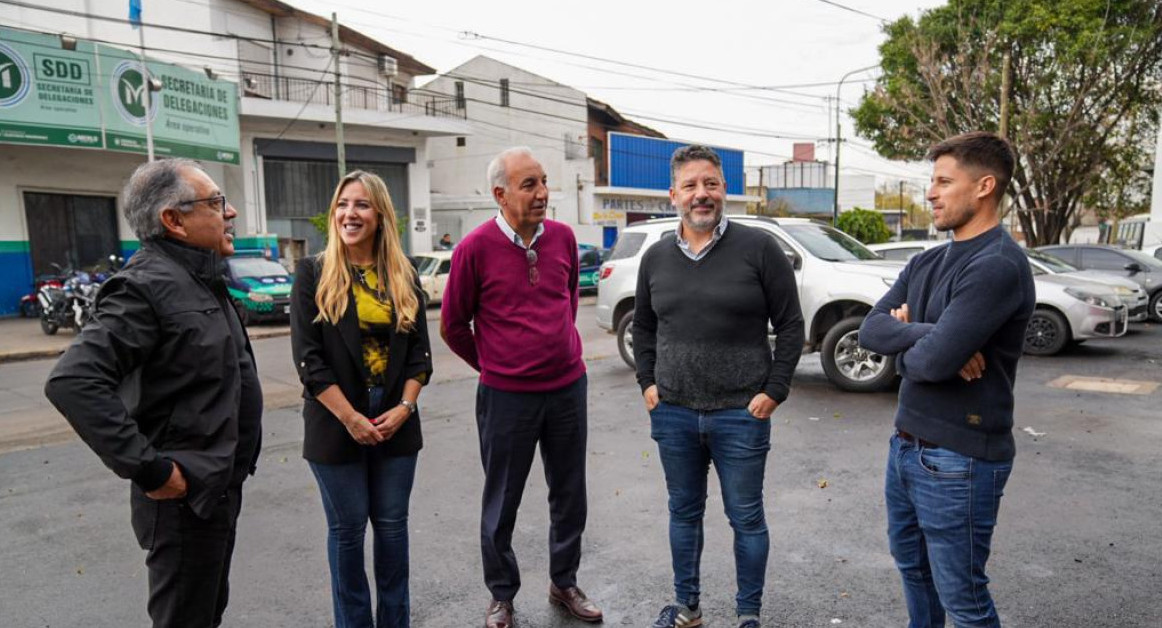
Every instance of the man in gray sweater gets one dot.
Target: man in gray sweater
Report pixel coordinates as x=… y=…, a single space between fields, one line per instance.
x=704 y=299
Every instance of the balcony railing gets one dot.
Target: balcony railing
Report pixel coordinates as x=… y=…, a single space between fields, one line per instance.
x=365 y=97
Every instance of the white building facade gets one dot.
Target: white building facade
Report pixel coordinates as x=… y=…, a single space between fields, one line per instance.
x=264 y=68
x=508 y=106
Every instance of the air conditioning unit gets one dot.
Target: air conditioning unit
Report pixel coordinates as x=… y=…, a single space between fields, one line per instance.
x=388 y=66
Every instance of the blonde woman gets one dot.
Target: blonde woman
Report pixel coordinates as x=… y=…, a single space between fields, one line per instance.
x=360 y=342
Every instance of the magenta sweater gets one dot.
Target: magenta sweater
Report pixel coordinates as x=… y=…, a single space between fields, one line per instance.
x=521 y=337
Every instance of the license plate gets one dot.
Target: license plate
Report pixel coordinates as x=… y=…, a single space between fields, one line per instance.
x=286 y=309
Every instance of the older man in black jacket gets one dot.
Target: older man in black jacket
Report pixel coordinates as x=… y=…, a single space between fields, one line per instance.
x=162 y=386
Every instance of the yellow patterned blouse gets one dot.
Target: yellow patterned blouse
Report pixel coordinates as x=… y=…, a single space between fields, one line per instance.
x=375 y=321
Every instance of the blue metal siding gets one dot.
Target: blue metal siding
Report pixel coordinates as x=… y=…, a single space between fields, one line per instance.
x=644 y=162
x=15 y=281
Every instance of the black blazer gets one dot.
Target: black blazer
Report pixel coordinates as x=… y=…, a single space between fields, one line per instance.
x=327 y=354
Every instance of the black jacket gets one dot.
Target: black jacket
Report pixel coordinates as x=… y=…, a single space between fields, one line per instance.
x=327 y=354
x=156 y=377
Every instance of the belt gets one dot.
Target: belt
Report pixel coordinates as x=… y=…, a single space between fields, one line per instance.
x=919 y=441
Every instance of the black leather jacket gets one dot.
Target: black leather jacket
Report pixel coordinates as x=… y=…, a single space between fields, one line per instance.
x=157 y=377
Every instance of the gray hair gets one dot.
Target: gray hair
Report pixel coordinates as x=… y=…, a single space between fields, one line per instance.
x=498 y=168
x=154 y=186
x=693 y=152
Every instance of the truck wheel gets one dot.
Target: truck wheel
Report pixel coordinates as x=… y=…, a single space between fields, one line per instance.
x=625 y=339
x=1047 y=333
x=850 y=366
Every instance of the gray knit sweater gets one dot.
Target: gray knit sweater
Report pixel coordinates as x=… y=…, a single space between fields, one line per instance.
x=700 y=327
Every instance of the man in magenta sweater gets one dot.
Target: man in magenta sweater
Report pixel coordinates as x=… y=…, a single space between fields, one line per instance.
x=509 y=311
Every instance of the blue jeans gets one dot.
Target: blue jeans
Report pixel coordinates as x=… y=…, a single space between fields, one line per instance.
x=942 y=508
x=737 y=443
x=376 y=489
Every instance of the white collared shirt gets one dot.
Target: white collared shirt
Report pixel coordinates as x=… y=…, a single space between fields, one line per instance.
x=684 y=244
x=513 y=236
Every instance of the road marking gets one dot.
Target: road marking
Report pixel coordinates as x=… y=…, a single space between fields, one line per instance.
x=1104 y=385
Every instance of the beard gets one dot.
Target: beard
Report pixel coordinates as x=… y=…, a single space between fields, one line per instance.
x=951 y=219
x=700 y=223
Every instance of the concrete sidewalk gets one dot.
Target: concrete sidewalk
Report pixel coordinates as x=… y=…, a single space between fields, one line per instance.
x=22 y=339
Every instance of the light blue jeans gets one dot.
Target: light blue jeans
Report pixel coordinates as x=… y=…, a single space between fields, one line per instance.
x=942 y=509
x=737 y=443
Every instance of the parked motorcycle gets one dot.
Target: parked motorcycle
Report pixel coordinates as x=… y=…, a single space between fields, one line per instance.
x=29 y=305
x=69 y=303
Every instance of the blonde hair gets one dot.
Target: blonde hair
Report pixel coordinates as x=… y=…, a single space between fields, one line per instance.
x=390 y=262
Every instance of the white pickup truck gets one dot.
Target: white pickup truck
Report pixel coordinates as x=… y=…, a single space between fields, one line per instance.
x=839 y=281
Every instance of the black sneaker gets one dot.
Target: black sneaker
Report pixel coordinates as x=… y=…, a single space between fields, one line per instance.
x=677 y=616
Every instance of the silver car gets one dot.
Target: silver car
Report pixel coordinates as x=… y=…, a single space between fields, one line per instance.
x=1071 y=306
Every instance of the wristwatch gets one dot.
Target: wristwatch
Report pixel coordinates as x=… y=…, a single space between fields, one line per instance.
x=410 y=405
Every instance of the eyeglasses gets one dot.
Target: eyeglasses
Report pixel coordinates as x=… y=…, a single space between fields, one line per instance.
x=218 y=202
x=531 y=258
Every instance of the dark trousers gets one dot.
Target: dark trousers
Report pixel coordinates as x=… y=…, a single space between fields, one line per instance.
x=511 y=424
x=188 y=558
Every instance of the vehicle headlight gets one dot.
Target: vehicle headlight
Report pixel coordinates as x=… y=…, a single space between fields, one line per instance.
x=888 y=281
x=1090 y=298
x=260 y=297
x=1123 y=291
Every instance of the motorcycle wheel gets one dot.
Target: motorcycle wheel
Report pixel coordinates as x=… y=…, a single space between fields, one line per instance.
x=48 y=327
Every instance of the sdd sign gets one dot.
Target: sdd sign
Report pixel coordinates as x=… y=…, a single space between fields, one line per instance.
x=59 y=69
x=62 y=69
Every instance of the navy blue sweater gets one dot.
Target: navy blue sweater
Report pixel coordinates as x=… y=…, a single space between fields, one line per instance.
x=972 y=295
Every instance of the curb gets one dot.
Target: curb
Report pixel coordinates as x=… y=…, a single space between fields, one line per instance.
x=24 y=356
x=42 y=354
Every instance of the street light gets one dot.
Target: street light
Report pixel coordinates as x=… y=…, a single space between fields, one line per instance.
x=839 y=138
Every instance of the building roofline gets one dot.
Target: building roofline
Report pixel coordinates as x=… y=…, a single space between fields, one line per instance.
x=608 y=110
x=348 y=35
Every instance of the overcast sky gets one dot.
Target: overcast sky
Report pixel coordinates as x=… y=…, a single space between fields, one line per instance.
x=728 y=46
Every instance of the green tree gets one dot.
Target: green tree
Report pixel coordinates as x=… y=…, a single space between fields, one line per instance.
x=1084 y=96
x=865 y=225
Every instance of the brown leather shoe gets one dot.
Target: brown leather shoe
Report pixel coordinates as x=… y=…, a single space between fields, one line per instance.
x=499 y=615
x=576 y=602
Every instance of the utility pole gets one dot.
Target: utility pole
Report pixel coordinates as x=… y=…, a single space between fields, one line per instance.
x=900 y=227
x=761 y=207
x=338 y=96
x=839 y=138
x=147 y=84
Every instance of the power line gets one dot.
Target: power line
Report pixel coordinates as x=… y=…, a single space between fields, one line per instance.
x=179 y=29
x=697 y=124
x=359 y=57
x=192 y=55
x=711 y=79
x=856 y=11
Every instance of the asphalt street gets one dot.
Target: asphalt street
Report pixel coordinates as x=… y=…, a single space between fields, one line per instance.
x=1078 y=542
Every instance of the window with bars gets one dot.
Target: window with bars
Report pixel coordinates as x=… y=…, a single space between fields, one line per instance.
x=461 y=103
x=503 y=92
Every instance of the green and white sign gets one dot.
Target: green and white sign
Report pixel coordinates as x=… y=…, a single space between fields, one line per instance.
x=96 y=97
x=47 y=95
x=192 y=116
